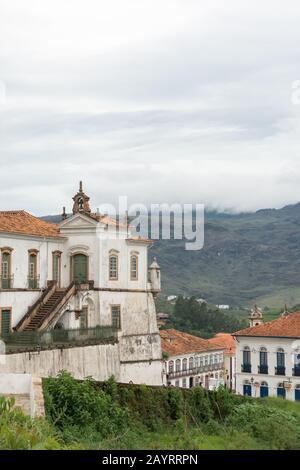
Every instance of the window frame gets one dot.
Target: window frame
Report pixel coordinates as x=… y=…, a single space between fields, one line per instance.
x=116 y=269
x=6 y=309
x=56 y=255
x=134 y=277
x=118 y=324
x=33 y=279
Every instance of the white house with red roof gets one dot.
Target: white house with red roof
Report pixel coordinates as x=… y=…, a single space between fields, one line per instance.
x=85 y=273
x=192 y=361
x=268 y=357
x=227 y=342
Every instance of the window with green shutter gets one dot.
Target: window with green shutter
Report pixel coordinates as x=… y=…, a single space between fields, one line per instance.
x=5 y=322
x=116 y=316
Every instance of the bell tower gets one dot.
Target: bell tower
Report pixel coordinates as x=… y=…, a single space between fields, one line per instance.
x=256 y=316
x=81 y=202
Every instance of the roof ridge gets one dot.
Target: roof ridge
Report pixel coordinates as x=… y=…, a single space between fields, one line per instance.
x=269 y=328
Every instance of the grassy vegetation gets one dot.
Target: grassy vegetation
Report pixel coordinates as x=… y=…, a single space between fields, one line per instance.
x=89 y=415
x=111 y=416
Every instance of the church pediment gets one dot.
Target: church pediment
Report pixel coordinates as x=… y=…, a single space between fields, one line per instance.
x=78 y=221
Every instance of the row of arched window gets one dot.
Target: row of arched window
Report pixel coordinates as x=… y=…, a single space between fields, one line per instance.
x=114 y=267
x=263 y=361
x=180 y=365
x=249 y=389
x=6 y=274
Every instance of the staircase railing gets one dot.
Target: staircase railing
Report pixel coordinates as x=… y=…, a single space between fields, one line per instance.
x=34 y=308
x=69 y=292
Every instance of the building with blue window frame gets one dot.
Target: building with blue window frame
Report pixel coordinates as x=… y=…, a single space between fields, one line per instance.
x=268 y=357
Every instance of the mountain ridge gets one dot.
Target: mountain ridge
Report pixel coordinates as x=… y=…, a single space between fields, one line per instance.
x=246 y=256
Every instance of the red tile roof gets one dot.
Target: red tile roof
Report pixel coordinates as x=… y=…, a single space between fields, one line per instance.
x=24 y=223
x=287 y=326
x=175 y=343
x=225 y=340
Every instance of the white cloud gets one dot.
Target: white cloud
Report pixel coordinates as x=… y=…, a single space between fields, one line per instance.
x=162 y=100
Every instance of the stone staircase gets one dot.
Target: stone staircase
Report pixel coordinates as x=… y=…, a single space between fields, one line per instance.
x=45 y=310
x=47 y=307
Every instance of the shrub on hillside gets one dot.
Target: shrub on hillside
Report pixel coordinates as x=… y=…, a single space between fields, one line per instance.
x=277 y=428
x=20 y=432
x=70 y=403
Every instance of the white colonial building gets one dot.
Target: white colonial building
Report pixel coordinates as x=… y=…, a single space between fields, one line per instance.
x=88 y=274
x=192 y=361
x=268 y=357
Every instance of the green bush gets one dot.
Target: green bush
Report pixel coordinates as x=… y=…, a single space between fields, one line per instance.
x=119 y=416
x=20 y=432
x=70 y=404
x=277 y=428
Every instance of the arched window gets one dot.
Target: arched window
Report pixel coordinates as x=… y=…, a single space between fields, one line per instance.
x=56 y=266
x=134 y=267
x=281 y=390
x=184 y=364
x=263 y=361
x=6 y=277
x=178 y=365
x=32 y=270
x=171 y=367
x=191 y=363
x=246 y=365
x=246 y=355
x=113 y=267
x=247 y=388
x=264 y=389
x=280 y=368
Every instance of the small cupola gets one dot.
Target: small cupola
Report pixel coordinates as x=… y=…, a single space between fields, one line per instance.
x=256 y=316
x=155 y=276
x=81 y=202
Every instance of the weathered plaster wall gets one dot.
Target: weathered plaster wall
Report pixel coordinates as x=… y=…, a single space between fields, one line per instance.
x=26 y=391
x=99 y=362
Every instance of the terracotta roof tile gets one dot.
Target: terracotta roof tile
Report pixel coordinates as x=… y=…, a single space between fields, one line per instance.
x=25 y=223
x=174 y=342
x=224 y=340
x=287 y=326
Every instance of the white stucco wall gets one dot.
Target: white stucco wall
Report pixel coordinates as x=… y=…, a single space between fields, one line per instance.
x=25 y=389
x=99 y=362
x=138 y=337
x=290 y=347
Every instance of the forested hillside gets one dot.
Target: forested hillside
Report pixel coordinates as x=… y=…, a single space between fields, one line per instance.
x=246 y=257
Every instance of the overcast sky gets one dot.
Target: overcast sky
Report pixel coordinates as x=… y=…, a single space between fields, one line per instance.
x=160 y=100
